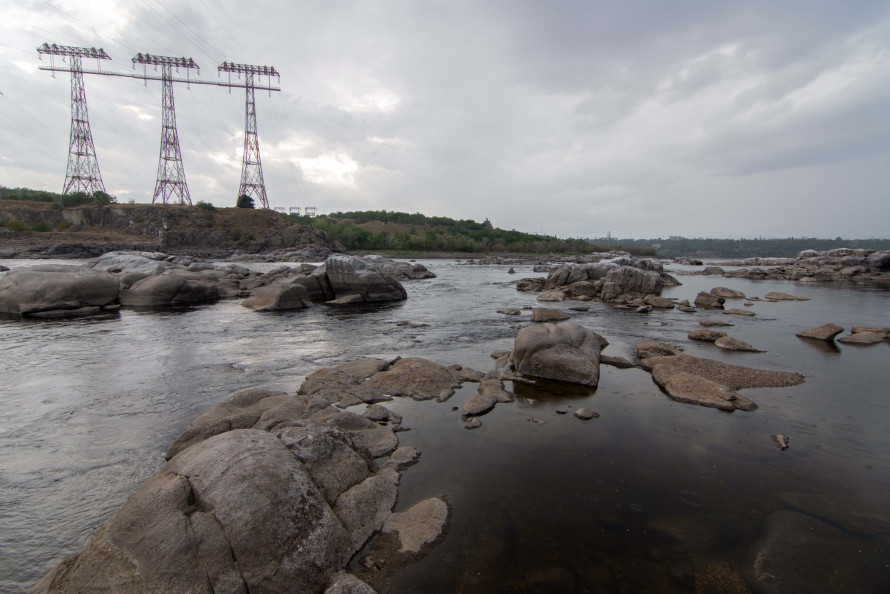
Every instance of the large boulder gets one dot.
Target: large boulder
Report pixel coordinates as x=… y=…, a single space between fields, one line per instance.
x=349 y=275
x=56 y=289
x=237 y=513
x=171 y=288
x=564 y=352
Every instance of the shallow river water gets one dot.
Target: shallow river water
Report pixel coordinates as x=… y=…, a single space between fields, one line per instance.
x=653 y=495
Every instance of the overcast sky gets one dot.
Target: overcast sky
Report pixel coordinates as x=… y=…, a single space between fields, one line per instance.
x=575 y=118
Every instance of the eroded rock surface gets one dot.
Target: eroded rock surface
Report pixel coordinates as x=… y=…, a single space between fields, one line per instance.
x=52 y=288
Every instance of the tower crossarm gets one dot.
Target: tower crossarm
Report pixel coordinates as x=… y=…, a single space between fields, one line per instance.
x=54 y=49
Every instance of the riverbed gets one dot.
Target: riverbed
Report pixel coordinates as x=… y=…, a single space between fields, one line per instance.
x=644 y=496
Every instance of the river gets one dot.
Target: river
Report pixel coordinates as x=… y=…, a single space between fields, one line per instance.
x=652 y=488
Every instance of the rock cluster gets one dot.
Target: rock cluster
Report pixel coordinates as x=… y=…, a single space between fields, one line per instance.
x=622 y=280
x=811 y=265
x=153 y=279
x=270 y=492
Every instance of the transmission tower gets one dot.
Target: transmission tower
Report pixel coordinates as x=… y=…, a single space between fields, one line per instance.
x=82 y=174
x=171 y=173
x=252 y=183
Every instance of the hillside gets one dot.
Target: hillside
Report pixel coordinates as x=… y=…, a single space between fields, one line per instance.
x=37 y=229
x=415 y=233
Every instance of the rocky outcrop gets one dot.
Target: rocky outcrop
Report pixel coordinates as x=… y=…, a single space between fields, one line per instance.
x=704 y=335
x=563 y=352
x=40 y=290
x=704 y=381
x=841 y=264
x=266 y=492
x=728 y=343
x=709 y=300
x=400 y=271
x=615 y=279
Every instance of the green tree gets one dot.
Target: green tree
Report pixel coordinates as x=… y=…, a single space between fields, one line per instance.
x=245 y=201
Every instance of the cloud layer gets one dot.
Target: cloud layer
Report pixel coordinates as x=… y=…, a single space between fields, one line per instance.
x=645 y=119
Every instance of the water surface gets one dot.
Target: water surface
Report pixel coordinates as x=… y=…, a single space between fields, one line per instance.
x=650 y=489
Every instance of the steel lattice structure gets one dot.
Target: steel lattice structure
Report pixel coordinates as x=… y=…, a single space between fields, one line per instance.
x=252 y=183
x=171 y=173
x=82 y=173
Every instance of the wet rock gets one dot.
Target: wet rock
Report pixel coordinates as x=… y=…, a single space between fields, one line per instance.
x=619 y=362
x=710 y=323
x=187 y=529
x=707 y=300
x=491 y=391
x=738 y=312
x=549 y=315
x=885 y=330
x=48 y=288
x=706 y=335
x=347 y=300
x=727 y=293
x=776 y=296
x=564 y=352
x=659 y=302
x=729 y=343
x=553 y=295
x=418 y=379
x=418 y=526
x=381 y=414
x=585 y=414
x=863 y=338
x=781 y=441
x=473 y=423
x=349 y=275
x=825 y=332
x=538 y=421
x=403 y=457
x=648 y=349
x=509 y=311
x=580 y=308
x=400 y=271
x=278 y=297
x=644 y=309
x=404 y=538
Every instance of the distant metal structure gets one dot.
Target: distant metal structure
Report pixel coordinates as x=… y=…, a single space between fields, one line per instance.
x=280 y=209
x=310 y=211
x=295 y=210
x=252 y=183
x=82 y=173
x=171 y=173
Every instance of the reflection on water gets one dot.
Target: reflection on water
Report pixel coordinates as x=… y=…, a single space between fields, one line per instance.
x=652 y=495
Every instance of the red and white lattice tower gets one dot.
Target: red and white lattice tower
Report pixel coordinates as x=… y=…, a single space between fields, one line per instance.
x=82 y=174
x=252 y=183
x=171 y=173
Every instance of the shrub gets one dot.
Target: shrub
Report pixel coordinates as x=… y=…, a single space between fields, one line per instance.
x=62 y=226
x=245 y=201
x=14 y=225
x=205 y=205
x=41 y=227
x=102 y=198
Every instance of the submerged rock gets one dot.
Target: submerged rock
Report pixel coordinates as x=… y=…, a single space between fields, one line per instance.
x=549 y=315
x=706 y=335
x=863 y=338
